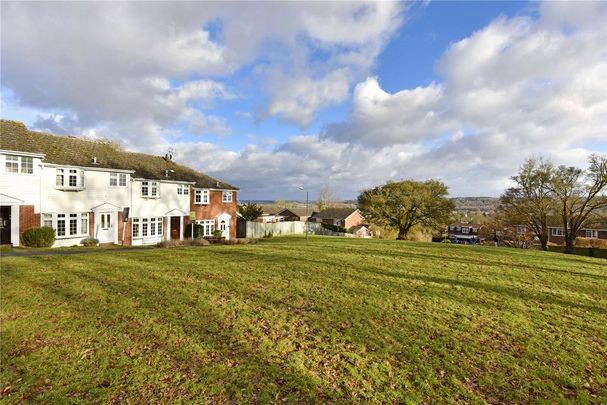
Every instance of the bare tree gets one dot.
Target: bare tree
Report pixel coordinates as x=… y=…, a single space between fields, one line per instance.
x=580 y=194
x=326 y=198
x=530 y=201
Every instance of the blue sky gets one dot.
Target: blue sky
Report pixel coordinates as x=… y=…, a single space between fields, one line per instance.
x=339 y=95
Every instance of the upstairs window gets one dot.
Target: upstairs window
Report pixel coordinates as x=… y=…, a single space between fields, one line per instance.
x=19 y=164
x=183 y=189
x=66 y=178
x=149 y=189
x=464 y=229
x=201 y=196
x=226 y=196
x=118 y=179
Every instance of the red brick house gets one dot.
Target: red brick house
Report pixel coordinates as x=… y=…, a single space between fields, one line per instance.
x=344 y=217
x=556 y=234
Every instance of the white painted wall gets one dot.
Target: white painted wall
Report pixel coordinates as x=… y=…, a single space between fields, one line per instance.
x=168 y=199
x=22 y=186
x=97 y=191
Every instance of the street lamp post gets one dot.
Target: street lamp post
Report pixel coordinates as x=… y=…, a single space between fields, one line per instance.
x=302 y=189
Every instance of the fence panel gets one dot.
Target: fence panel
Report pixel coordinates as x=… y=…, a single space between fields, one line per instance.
x=260 y=230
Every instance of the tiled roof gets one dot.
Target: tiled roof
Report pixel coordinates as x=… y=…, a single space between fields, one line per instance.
x=335 y=213
x=75 y=151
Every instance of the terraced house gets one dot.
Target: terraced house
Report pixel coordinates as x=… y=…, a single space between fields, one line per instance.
x=87 y=188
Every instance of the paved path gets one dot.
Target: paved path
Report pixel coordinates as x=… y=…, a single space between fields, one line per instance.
x=59 y=252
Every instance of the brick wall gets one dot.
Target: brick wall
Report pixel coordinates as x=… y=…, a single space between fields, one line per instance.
x=91 y=224
x=215 y=207
x=353 y=220
x=27 y=218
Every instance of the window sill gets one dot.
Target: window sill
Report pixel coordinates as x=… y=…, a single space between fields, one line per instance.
x=71 y=237
x=150 y=198
x=67 y=188
x=201 y=203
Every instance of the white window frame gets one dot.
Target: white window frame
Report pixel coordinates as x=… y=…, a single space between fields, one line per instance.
x=152 y=189
x=201 y=196
x=208 y=226
x=227 y=196
x=20 y=164
x=592 y=233
x=557 y=232
x=118 y=179
x=67 y=174
x=141 y=228
x=521 y=229
x=65 y=220
x=183 y=189
x=465 y=230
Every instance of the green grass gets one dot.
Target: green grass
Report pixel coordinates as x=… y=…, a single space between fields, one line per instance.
x=328 y=320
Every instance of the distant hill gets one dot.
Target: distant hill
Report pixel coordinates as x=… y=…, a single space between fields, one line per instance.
x=473 y=204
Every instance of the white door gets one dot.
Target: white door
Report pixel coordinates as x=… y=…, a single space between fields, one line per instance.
x=224 y=225
x=106 y=227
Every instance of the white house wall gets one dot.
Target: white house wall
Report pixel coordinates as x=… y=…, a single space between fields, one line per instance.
x=147 y=207
x=96 y=191
x=25 y=187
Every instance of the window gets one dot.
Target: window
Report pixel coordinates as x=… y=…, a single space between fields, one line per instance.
x=464 y=229
x=105 y=221
x=12 y=164
x=69 y=178
x=521 y=229
x=227 y=196
x=208 y=226
x=68 y=225
x=474 y=230
x=183 y=189
x=558 y=232
x=149 y=189
x=135 y=227
x=47 y=220
x=118 y=179
x=19 y=164
x=59 y=178
x=144 y=227
x=201 y=196
x=592 y=233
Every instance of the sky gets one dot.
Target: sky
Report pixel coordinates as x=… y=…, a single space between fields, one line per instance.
x=273 y=96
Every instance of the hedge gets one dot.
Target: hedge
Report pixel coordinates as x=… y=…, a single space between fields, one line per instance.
x=38 y=237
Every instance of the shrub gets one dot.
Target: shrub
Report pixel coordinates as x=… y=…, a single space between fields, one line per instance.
x=90 y=242
x=198 y=230
x=217 y=234
x=334 y=228
x=38 y=237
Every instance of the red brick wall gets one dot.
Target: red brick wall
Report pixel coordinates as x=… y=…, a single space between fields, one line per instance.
x=27 y=218
x=92 y=224
x=124 y=231
x=215 y=207
x=353 y=220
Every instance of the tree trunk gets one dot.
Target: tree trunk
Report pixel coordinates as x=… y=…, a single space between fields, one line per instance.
x=569 y=243
x=544 y=242
x=402 y=233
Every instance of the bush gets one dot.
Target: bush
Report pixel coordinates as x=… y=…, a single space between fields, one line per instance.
x=198 y=230
x=217 y=234
x=185 y=242
x=334 y=228
x=90 y=242
x=38 y=237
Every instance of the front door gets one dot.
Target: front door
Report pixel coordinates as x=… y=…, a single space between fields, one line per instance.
x=224 y=225
x=175 y=227
x=5 y=225
x=106 y=227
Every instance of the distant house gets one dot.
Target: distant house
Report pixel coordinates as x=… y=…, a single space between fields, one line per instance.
x=556 y=234
x=361 y=231
x=464 y=233
x=294 y=214
x=344 y=217
x=269 y=215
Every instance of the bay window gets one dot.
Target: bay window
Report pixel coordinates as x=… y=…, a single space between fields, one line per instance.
x=66 y=178
x=146 y=227
x=208 y=226
x=75 y=224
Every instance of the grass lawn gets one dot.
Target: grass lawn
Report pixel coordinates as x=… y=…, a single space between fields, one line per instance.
x=327 y=320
